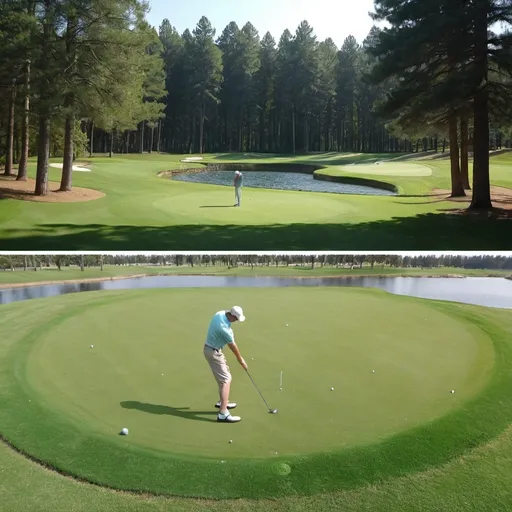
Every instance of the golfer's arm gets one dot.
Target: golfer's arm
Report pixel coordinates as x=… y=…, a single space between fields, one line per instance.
x=234 y=348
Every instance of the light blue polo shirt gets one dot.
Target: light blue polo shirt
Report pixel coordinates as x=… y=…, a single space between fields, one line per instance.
x=220 y=332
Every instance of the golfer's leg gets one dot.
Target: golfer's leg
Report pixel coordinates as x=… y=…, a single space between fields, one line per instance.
x=224 y=388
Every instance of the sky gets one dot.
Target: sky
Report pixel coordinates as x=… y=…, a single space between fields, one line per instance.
x=336 y=19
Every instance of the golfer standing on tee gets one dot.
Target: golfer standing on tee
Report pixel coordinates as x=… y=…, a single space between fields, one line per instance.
x=220 y=334
x=239 y=181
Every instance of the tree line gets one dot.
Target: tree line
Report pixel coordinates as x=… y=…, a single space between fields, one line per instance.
x=97 y=74
x=40 y=262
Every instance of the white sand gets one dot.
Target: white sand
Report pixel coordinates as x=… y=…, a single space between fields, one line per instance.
x=75 y=167
x=192 y=159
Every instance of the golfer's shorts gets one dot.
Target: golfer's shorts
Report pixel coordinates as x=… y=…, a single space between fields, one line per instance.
x=217 y=362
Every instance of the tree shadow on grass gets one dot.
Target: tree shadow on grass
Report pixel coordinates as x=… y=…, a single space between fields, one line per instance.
x=179 y=412
x=457 y=229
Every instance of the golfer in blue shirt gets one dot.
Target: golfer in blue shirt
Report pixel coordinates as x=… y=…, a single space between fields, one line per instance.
x=219 y=335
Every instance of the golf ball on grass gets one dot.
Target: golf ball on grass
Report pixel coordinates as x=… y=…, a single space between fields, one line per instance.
x=332 y=389
x=124 y=432
x=452 y=391
x=92 y=346
x=230 y=441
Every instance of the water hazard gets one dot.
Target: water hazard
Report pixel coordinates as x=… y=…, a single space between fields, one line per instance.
x=280 y=181
x=483 y=291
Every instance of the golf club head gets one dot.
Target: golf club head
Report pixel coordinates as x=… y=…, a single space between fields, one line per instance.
x=272 y=411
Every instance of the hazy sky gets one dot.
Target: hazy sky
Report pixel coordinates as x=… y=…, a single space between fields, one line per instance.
x=336 y=19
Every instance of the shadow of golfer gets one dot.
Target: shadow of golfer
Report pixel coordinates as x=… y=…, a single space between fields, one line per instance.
x=179 y=412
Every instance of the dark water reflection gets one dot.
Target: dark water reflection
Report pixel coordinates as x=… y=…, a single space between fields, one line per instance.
x=492 y=292
x=280 y=181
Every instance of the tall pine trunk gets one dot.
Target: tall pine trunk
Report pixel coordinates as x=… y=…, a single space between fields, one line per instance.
x=141 y=147
x=293 y=129
x=152 y=140
x=201 y=129
x=25 y=132
x=91 y=146
x=240 y=127
x=43 y=154
x=69 y=100
x=9 y=150
x=67 y=168
x=457 y=188
x=481 y=179
x=464 y=148
x=111 y=148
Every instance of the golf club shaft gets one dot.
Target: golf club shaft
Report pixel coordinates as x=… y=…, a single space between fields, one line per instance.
x=262 y=397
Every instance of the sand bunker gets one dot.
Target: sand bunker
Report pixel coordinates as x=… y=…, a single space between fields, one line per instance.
x=192 y=159
x=75 y=167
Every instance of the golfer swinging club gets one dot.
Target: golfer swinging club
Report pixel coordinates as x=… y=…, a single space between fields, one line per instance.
x=239 y=181
x=220 y=334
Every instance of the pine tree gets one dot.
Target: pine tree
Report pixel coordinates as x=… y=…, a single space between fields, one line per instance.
x=204 y=70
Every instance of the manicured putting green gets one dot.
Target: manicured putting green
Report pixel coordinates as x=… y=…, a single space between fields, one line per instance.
x=64 y=402
x=389 y=169
x=146 y=370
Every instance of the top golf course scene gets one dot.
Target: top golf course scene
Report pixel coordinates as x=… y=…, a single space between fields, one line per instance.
x=123 y=204
x=381 y=387
x=248 y=127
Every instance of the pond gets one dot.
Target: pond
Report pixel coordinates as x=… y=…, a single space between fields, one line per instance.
x=280 y=181
x=491 y=292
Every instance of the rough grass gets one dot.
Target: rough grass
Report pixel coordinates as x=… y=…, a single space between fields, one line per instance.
x=143 y=212
x=38 y=428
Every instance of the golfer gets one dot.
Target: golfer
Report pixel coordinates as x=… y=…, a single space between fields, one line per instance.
x=239 y=181
x=220 y=334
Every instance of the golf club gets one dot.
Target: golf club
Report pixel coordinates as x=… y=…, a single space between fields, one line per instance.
x=271 y=411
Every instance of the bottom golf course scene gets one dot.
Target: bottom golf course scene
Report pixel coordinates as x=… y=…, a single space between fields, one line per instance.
x=385 y=402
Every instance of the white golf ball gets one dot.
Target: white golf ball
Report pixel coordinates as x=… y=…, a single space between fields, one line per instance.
x=280 y=389
x=92 y=346
x=332 y=389
x=452 y=391
x=231 y=440
x=286 y=325
x=373 y=371
x=124 y=431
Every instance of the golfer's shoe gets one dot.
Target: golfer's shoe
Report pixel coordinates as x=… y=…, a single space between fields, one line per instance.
x=227 y=418
x=230 y=405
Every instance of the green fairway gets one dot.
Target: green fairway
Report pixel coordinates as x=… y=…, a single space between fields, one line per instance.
x=141 y=211
x=64 y=402
x=389 y=169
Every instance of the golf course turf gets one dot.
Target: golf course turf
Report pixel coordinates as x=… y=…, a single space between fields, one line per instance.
x=64 y=402
x=141 y=211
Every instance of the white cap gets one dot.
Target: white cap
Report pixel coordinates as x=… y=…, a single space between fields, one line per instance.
x=238 y=312
x=237 y=172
